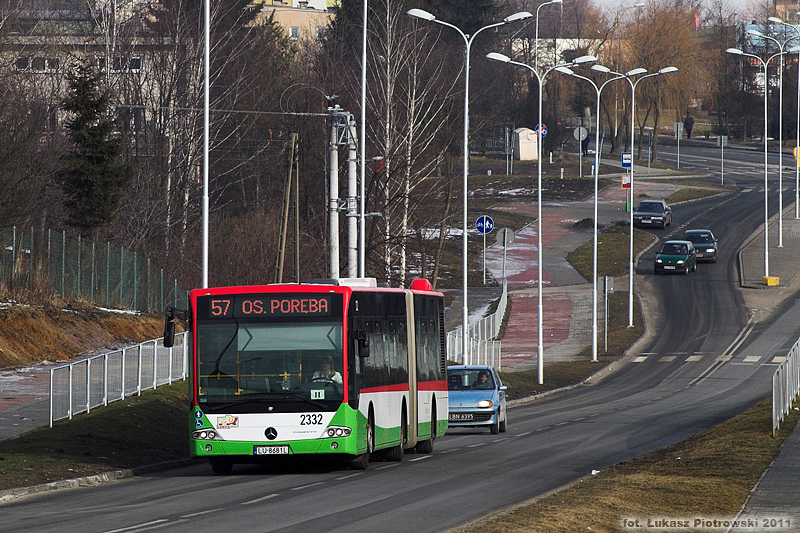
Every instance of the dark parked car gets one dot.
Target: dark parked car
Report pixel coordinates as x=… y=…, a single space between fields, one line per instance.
x=676 y=256
x=704 y=243
x=651 y=213
x=476 y=398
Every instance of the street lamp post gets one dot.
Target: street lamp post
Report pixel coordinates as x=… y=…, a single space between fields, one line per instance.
x=736 y=51
x=540 y=78
x=362 y=144
x=638 y=5
x=598 y=90
x=780 y=126
x=665 y=70
x=797 y=123
x=206 y=133
x=536 y=34
x=468 y=39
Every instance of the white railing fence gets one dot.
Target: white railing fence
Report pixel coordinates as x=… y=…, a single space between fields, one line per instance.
x=785 y=386
x=96 y=381
x=482 y=349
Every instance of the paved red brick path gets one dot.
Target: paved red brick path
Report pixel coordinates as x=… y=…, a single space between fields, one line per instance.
x=520 y=341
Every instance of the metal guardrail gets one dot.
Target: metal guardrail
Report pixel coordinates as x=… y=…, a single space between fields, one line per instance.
x=97 y=381
x=785 y=386
x=483 y=349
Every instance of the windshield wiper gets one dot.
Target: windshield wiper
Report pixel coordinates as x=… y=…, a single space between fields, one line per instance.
x=268 y=397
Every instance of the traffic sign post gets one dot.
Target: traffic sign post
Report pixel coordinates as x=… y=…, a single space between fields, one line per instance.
x=484 y=225
x=607 y=287
x=505 y=236
x=580 y=133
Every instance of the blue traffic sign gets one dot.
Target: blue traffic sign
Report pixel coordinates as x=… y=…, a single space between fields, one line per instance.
x=485 y=224
x=627 y=160
x=542 y=128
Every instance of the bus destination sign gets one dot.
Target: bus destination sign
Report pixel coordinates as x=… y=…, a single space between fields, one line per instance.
x=265 y=305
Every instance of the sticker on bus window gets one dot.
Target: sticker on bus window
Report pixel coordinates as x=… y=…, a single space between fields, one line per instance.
x=318 y=394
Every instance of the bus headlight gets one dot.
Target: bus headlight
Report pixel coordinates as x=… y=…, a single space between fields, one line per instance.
x=205 y=434
x=337 y=431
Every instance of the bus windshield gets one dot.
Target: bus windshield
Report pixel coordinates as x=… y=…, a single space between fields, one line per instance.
x=290 y=365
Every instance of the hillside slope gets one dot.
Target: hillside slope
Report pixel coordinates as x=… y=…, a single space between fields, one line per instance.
x=31 y=334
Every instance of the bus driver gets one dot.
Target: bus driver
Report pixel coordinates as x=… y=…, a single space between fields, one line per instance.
x=326 y=372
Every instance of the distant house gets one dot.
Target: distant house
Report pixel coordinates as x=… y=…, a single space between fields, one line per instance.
x=304 y=20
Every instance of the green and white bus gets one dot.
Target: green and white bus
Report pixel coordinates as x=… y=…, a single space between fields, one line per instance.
x=341 y=369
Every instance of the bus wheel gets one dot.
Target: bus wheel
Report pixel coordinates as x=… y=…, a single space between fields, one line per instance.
x=362 y=461
x=220 y=466
x=396 y=452
x=426 y=446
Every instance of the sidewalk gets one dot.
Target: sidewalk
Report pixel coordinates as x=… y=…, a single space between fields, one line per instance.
x=777 y=494
x=567 y=296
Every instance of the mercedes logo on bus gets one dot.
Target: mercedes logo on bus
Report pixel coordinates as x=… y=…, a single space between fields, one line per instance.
x=271 y=433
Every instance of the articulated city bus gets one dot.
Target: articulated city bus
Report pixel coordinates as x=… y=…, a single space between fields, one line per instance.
x=336 y=368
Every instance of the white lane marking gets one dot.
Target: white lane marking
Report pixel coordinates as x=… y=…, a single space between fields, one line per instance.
x=261 y=499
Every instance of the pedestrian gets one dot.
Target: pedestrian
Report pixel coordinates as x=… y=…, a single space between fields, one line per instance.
x=687 y=125
x=585 y=146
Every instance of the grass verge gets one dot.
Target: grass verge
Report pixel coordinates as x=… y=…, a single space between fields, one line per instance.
x=142 y=430
x=708 y=475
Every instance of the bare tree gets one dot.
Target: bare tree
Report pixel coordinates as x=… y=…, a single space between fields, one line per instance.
x=665 y=37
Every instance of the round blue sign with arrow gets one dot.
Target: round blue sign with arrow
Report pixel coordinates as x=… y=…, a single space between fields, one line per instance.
x=485 y=224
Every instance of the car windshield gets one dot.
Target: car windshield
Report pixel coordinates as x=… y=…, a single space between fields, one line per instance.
x=469 y=378
x=650 y=207
x=672 y=248
x=702 y=238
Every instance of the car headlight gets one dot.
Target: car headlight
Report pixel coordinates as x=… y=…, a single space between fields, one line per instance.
x=710 y=251
x=659 y=261
x=485 y=403
x=680 y=261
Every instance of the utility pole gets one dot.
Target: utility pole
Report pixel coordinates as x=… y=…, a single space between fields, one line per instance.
x=333 y=197
x=343 y=132
x=290 y=190
x=352 y=199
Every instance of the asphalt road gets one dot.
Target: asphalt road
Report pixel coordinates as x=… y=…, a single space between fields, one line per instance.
x=703 y=363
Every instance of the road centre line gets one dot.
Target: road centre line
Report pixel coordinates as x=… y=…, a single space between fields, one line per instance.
x=387 y=466
x=140 y=526
x=200 y=513
x=349 y=476
x=740 y=338
x=420 y=458
x=301 y=487
x=261 y=499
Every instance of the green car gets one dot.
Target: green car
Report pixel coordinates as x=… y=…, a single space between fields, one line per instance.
x=676 y=256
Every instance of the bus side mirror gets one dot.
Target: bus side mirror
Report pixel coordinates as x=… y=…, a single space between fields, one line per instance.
x=169 y=326
x=363 y=343
x=169 y=333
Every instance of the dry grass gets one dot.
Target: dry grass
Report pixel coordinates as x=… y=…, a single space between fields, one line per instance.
x=54 y=333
